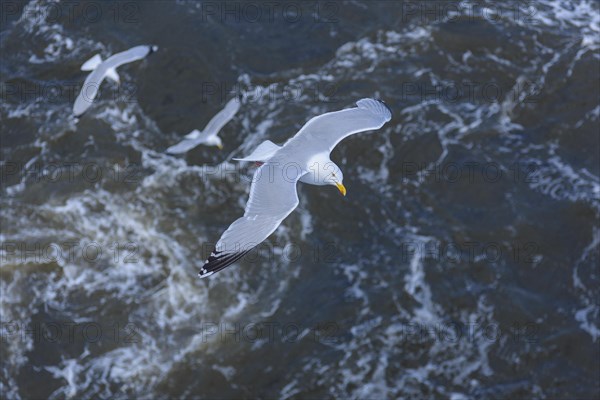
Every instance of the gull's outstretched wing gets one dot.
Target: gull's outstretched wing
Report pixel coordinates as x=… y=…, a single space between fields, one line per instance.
x=127 y=56
x=273 y=197
x=327 y=130
x=191 y=140
x=224 y=116
x=89 y=91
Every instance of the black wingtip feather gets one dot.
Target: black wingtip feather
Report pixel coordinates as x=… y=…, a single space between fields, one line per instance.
x=219 y=260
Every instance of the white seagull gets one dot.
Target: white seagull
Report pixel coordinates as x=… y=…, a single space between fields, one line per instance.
x=305 y=158
x=209 y=136
x=105 y=69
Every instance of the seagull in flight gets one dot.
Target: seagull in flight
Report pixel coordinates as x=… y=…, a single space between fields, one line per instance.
x=105 y=69
x=304 y=158
x=209 y=136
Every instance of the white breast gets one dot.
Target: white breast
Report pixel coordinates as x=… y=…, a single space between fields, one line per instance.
x=318 y=168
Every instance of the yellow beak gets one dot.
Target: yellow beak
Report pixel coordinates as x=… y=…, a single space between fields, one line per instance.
x=220 y=146
x=341 y=188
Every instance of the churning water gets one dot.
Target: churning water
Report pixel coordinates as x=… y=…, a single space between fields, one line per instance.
x=462 y=264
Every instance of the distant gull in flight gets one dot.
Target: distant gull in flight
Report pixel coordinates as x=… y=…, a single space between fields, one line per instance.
x=105 y=69
x=209 y=135
x=305 y=158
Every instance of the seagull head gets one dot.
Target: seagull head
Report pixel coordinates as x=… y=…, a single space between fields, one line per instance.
x=336 y=178
x=215 y=141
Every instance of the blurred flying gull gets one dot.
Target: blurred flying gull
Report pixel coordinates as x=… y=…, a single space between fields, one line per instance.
x=304 y=158
x=209 y=136
x=105 y=69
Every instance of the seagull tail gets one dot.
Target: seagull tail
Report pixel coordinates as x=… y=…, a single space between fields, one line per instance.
x=92 y=63
x=112 y=74
x=262 y=153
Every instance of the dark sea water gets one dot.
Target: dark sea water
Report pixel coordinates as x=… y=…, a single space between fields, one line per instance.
x=462 y=264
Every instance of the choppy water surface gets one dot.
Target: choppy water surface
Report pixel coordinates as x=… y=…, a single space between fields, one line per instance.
x=462 y=264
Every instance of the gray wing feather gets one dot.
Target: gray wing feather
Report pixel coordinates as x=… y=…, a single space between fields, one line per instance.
x=89 y=90
x=127 y=56
x=327 y=130
x=273 y=196
x=222 y=117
